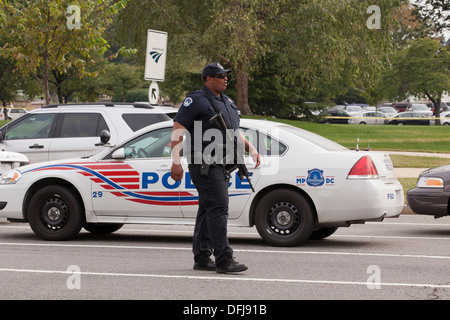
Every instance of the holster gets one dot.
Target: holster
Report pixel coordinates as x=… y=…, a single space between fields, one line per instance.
x=204 y=169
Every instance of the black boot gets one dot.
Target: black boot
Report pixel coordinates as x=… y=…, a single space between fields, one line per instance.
x=230 y=265
x=204 y=262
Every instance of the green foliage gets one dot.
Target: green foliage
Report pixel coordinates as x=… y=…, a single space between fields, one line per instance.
x=314 y=44
x=38 y=36
x=420 y=69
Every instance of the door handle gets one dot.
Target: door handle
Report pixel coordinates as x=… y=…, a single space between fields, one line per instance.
x=36 y=146
x=163 y=169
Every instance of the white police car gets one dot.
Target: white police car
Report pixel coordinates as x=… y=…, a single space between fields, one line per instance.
x=306 y=187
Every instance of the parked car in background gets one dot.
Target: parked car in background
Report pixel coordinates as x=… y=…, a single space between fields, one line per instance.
x=431 y=194
x=353 y=109
x=368 y=117
x=73 y=130
x=14 y=113
x=444 y=106
x=335 y=116
x=11 y=160
x=445 y=118
x=408 y=118
x=400 y=106
x=389 y=111
x=420 y=108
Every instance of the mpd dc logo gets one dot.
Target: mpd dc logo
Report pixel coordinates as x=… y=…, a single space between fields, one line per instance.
x=155 y=55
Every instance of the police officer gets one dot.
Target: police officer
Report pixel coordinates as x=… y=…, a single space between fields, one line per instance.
x=211 y=181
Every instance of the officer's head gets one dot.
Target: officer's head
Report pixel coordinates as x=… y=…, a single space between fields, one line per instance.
x=214 y=76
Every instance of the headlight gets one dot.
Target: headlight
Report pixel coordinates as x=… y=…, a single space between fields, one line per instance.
x=430 y=182
x=11 y=176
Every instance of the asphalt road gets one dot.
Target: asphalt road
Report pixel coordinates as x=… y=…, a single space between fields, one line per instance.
x=402 y=258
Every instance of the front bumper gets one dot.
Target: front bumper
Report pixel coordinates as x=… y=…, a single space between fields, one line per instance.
x=11 y=201
x=426 y=201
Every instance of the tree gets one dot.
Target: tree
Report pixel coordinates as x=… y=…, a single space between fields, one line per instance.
x=315 y=40
x=120 y=78
x=420 y=69
x=434 y=15
x=46 y=37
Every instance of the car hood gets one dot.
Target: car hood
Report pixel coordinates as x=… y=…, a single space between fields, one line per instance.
x=436 y=170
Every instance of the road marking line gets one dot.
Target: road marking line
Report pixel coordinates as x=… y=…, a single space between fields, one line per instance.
x=265 y=251
x=235 y=278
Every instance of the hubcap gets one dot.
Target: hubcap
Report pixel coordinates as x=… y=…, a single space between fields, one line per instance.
x=54 y=213
x=284 y=218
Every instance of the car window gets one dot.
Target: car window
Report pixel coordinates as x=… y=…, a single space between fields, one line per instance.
x=266 y=145
x=36 y=126
x=82 y=125
x=150 y=145
x=138 y=121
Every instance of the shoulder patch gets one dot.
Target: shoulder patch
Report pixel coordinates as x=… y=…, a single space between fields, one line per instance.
x=187 y=102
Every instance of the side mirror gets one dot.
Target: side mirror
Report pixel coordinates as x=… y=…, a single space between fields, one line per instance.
x=105 y=136
x=118 y=154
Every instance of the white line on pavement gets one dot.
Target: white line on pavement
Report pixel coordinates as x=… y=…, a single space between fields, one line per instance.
x=419 y=256
x=235 y=278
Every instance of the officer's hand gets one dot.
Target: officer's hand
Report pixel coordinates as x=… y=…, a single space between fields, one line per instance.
x=176 y=172
x=255 y=156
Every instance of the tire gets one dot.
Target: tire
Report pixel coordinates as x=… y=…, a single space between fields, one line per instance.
x=102 y=228
x=322 y=233
x=55 y=213
x=284 y=218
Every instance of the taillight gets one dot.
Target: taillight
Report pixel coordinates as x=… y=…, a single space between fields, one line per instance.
x=363 y=169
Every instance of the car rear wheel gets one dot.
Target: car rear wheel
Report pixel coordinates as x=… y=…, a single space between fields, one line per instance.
x=55 y=213
x=102 y=228
x=284 y=218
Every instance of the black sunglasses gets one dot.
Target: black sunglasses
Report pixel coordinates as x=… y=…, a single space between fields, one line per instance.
x=219 y=76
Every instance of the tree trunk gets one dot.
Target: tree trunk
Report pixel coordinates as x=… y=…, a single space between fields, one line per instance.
x=242 y=92
x=437 y=107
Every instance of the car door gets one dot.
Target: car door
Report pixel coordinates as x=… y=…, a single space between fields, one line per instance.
x=239 y=190
x=31 y=135
x=134 y=180
x=77 y=134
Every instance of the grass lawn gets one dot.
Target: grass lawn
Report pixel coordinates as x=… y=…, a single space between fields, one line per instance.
x=380 y=137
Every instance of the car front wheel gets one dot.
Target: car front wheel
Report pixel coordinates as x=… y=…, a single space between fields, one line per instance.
x=284 y=218
x=55 y=213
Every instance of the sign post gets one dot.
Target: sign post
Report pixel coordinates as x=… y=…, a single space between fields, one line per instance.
x=155 y=62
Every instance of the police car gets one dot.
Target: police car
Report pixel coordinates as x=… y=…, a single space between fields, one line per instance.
x=306 y=187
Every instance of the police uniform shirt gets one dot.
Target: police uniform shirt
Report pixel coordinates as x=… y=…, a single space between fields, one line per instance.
x=197 y=107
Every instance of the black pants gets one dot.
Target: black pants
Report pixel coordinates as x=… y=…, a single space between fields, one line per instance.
x=210 y=233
